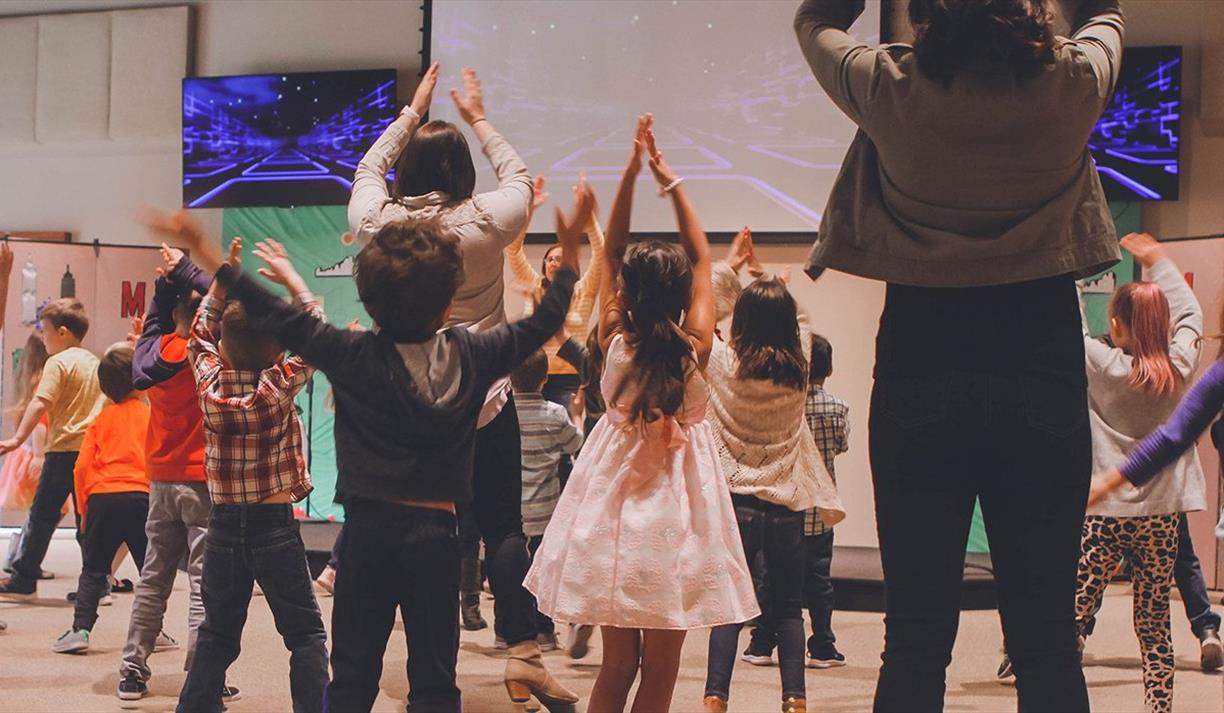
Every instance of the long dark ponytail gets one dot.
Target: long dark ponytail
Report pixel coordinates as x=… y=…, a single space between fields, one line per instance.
x=765 y=335
x=656 y=286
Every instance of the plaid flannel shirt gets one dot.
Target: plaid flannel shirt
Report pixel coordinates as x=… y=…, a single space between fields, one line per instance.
x=252 y=435
x=828 y=418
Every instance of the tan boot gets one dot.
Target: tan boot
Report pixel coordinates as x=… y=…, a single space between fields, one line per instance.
x=714 y=704
x=527 y=677
x=794 y=705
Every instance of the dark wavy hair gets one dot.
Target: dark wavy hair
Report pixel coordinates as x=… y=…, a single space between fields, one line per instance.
x=949 y=34
x=656 y=282
x=765 y=335
x=437 y=158
x=406 y=278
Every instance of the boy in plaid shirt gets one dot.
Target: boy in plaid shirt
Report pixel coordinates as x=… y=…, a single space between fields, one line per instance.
x=256 y=471
x=828 y=418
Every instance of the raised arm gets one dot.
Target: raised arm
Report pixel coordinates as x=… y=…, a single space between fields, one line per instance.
x=586 y=292
x=699 y=319
x=616 y=240
x=509 y=206
x=844 y=67
x=520 y=267
x=178 y=273
x=1099 y=34
x=370 y=178
x=500 y=350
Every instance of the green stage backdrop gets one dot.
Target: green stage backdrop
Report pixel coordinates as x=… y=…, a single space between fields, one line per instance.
x=322 y=249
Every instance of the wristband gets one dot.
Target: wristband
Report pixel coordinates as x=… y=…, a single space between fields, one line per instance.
x=409 y=111
x=669 y=187
x=474 y=123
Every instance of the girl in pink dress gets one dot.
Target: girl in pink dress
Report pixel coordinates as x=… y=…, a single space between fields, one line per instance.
x=644 y=540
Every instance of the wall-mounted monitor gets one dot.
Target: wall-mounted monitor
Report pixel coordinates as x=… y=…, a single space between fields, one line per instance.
x=280 y=139
x=1136 y=142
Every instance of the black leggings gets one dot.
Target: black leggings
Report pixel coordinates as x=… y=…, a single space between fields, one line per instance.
x=112 y=519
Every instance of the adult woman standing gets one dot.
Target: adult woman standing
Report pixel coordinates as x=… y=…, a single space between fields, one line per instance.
x=970 y=190
x=563 y=378
x=435 y=181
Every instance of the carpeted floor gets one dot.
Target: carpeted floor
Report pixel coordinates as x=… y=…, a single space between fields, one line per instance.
x=32 y=678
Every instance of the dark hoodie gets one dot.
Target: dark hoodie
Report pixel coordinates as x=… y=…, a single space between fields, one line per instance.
x=394 y=440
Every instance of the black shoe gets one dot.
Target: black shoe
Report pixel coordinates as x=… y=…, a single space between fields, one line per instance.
x=230 y=693
x=826 y=658
x=14 y=588
x=470 y=613
x=757 y=655
x=131 y=688
x=122 y=586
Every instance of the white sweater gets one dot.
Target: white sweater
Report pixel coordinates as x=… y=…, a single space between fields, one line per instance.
x=765 y=446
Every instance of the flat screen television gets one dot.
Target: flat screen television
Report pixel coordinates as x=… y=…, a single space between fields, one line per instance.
x=1136 y=142
x=280 y=139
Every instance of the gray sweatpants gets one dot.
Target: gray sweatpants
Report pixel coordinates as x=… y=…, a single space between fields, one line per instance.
x=178 y=521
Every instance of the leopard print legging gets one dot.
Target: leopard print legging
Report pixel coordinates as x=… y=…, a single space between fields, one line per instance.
x=1151 y=544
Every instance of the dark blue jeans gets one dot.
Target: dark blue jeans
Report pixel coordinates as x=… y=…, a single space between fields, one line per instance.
x=777 y=534
x=55 y=485
x=1189 y=577
x=114 y=519
x=818 y=598
x=396 y=557
x=247 y=544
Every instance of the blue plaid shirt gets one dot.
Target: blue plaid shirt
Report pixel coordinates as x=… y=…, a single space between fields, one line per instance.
x=828 y=417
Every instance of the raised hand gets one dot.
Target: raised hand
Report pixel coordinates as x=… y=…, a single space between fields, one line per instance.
x=1144 y=247
x=471 y=103
x=424 y=91
x=538 y=194
x=639 y=144
x=279 y=268
x=170 y=257
x=6 y=258
x=180 y=227
x=572 y=229
x=137 y=328
x=741 y=249
x=662 y=172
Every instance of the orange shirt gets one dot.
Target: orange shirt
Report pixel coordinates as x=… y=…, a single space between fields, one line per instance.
x=175 y=440
x=112 y=458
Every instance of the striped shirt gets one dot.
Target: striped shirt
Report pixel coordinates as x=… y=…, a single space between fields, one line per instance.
x=828 y=418
x=252 y=434
x=547 y=433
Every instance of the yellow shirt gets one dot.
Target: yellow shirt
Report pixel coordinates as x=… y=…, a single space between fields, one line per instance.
x=69 y=388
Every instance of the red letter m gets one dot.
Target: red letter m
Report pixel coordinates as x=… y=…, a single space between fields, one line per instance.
x=131 y=303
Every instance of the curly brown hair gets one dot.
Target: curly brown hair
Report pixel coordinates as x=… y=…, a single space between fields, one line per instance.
x=406 y=278
x=950 y=34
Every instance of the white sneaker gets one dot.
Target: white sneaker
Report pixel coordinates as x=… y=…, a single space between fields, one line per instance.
x=106 y=600
x=72 y=642
x=165 y=642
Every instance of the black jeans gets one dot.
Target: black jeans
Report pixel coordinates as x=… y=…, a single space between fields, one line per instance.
x=55 y=485
x=247 y=544
x=402 y=557
x=818 y=598
x=981 y=394
x=333 y=560
x=1189 y=577
x=497 y=507
x=113 y=519
x=544 y=624
x=777 y=534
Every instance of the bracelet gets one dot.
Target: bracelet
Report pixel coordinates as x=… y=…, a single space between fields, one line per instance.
x=474 y=123
x=669 y=187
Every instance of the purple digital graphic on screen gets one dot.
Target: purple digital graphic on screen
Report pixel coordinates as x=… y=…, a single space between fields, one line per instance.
x=1135 y=143
x=280 y=139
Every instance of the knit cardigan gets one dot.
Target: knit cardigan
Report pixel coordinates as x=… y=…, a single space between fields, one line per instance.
x=765 y=446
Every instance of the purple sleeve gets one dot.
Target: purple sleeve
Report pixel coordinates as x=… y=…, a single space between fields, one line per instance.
x=148 y=368
x=1193 y=415
x=187 y=273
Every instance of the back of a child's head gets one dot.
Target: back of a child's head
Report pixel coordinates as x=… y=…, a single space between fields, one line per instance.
x=530 y=376
x=27 y=373
x=822 y=358
x=68 y=313
x=656 y=284
x=765 y=335
x=1143 y=310
x=115 y=372
x=185 y=308
x=407 y=277
x=245 y=347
